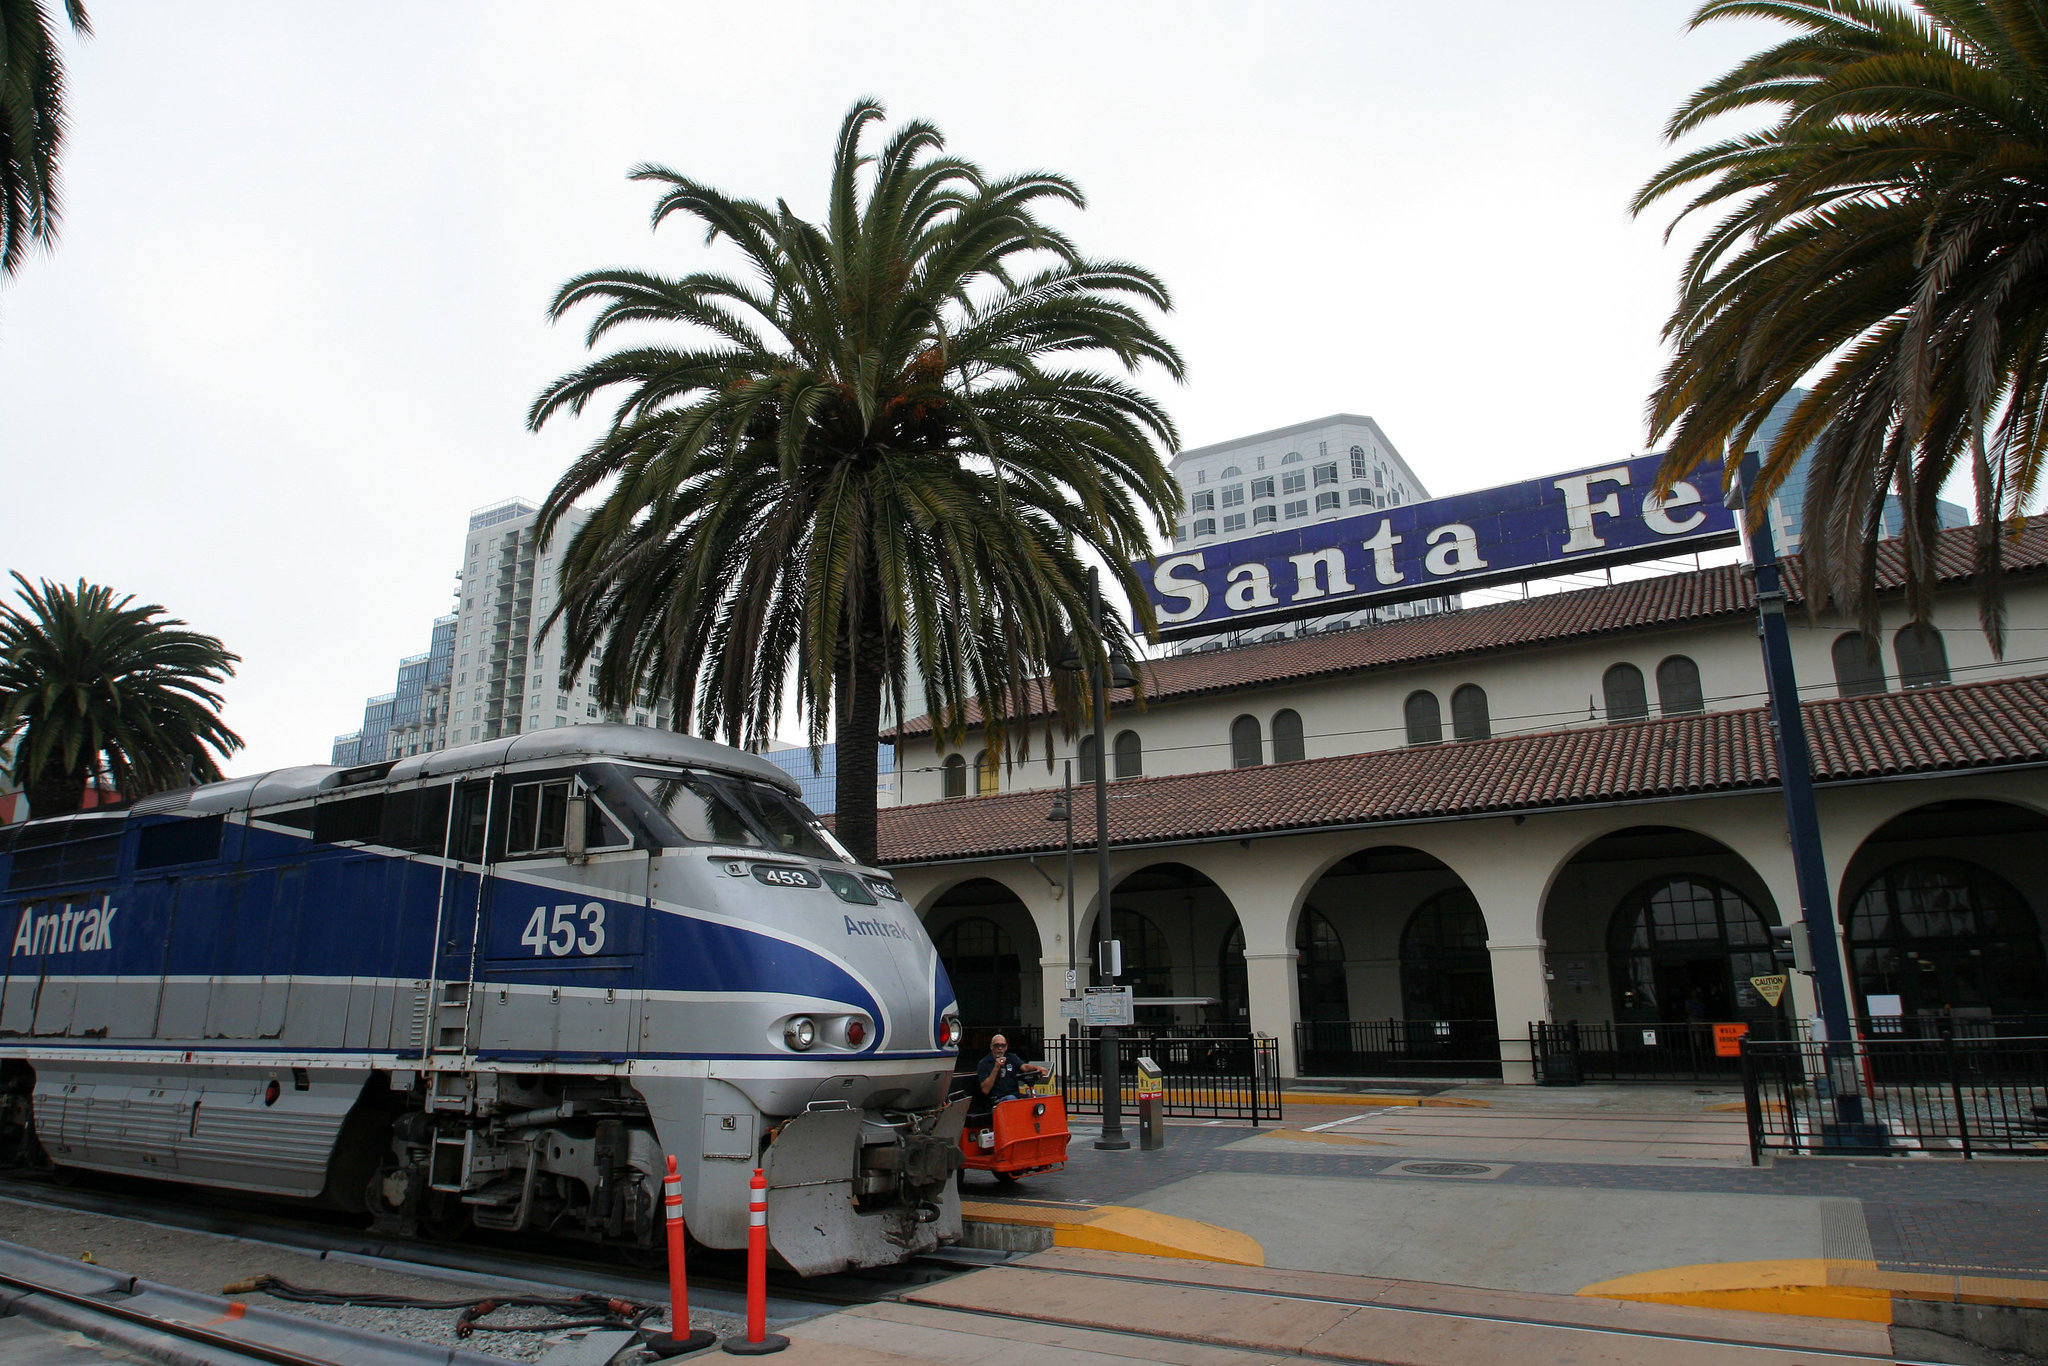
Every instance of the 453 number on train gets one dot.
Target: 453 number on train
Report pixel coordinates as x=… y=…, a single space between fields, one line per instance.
x=559 y=931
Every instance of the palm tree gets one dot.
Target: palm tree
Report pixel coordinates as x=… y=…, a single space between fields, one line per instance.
x=1890 y=232
x=92 y=688
x=31 y=124
x=878 y=449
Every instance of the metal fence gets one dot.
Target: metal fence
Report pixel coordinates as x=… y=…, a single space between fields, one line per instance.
x=1944 y=1095
x=1206 y=1076
x=1398 y=1048
x=1571 y=1053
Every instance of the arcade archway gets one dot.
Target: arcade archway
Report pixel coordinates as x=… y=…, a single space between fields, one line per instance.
x=1173 y=924
x=989 y=947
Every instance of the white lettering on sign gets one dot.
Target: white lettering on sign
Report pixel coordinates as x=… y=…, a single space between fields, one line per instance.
x=66 y=929
x=1193 y=592
x=1454 y=549
x=558 y=936
x=1326 y=565
x=1579 y=506
x=1382 y=547
x=1250 y=586
x=1657 y=514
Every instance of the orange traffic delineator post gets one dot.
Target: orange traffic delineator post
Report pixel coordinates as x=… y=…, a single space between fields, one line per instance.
x=759 y=1340
x=680 y=1338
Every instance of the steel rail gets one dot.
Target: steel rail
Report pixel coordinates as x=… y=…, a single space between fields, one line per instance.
x=255 y=1351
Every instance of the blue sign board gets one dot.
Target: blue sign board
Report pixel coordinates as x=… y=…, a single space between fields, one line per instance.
x=1561 y=523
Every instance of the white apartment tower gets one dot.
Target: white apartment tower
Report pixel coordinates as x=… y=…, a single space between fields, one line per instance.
x=1318 y=471
x=505 y=666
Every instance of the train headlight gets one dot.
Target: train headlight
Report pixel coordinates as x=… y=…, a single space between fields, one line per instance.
x=800 y=1033
x=949 y=1032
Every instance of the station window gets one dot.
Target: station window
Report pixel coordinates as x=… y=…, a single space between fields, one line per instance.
x=1205 y=526
x=953 y=776
x=1469 y=719
x=1678 y=687
x=1128 y=755
x=1234 y=522
x=1327 y=502
x=1247 y=744
x=1087 y=757
x=1262 y=488
x=1291 y=458
x=1326 y=474
x=985 y=775
x=1359 y=497
x=1622 y=686
x=1297 y=509
x=1288 y=744
x=1230 y=472
x=1263 y=513
x=1202 y=502
x=1233 y=496
x=1923 y=661
x=1424 y=719
x=1294 y=482
x=1358 y=462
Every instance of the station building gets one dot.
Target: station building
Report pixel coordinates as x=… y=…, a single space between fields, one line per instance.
x=1564 y=808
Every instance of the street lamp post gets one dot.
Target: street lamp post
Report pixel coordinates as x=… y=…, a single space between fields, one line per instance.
x=1063 y=810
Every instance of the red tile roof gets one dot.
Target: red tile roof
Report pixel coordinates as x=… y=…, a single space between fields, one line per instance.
x=1980 y=725
x=1554 y=618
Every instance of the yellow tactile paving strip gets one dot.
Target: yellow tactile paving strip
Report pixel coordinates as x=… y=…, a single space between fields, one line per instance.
x=1119 y=1228
x=1818 y=1287
x=1358 y=1100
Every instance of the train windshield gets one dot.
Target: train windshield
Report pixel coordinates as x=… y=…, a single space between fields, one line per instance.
x=721 y=810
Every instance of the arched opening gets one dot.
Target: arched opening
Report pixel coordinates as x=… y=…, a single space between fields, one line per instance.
x=953 y=776
x=1404 y=936
x=1923 y=659
x=1651 y=934
x=1130 y=755
x=1172 y=921
x=1087 y=757
x=1859 y=670
x=1425 y=718
x=1678 y=687
x=985 y=775
x=1247 y=749
x=1321 y=989
x=989 y=949
x=1943 y=906
x=1288 y=744
x=1622 y=686
x=1469 y=720
x=1681 y=949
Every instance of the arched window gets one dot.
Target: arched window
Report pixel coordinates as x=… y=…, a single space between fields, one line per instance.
x=1682 y=948
x=1678 y=687
x=1468 y=713
x=1319 y=967
x=1923 y=660
x=1446 y=972
x=1087 y=764
x=1230 y=472
x=1287 y=741
x=1622 y=686
x=954 y=773
x=1425 y=718
x=1129 y=754
x=985 y=774
x=1291 y=458
x=1948 y=936
x=1858 y=669
x=1246 y=747
x=982 y=963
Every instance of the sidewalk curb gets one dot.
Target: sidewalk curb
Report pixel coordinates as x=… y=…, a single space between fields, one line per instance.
x=1120 y=1228
x=1818 y=1287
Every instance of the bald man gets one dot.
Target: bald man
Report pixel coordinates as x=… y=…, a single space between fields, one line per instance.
x=1001 y=1071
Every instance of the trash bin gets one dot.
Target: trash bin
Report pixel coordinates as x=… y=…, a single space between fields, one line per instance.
x=1151 y=1106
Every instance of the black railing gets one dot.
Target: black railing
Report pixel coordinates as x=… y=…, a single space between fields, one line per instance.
x=1944 y=1095
x=1570 y=1053
x=1397 y=1048
x=1205 y=1076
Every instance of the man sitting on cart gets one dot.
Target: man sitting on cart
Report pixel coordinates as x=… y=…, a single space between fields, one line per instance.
x=1001 y=1072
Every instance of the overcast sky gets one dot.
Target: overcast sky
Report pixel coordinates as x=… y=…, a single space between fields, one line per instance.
x=288 y=338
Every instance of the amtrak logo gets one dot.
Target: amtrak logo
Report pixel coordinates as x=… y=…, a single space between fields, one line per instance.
x=887 y=929
x=67 y=929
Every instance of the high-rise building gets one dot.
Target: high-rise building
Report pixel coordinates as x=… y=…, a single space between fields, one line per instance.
x=1788 y=504
x=493 y=666
x=1337 y=466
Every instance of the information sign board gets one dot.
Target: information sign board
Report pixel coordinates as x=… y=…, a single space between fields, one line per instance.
x=1073 y=1007
x=1609 y=514
x=1108 y=1006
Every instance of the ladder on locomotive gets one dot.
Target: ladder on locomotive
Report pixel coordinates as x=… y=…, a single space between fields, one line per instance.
x=453 y=1007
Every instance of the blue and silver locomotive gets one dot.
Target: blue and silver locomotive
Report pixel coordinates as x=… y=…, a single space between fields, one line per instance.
x=496 y=985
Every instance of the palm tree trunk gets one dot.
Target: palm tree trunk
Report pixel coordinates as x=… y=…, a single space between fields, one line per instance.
x=56 y=794
x=860 y=725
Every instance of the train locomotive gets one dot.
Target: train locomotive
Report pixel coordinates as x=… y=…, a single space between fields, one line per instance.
x=493 y=986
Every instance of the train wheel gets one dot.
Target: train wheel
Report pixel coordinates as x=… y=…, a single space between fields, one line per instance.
x=443 y=1220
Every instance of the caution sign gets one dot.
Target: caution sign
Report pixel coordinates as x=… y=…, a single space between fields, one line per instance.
x=1728 y=1040
x=1771 y=986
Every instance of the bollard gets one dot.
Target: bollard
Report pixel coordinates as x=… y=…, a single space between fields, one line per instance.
x=759 y=1340
x=680 y=1338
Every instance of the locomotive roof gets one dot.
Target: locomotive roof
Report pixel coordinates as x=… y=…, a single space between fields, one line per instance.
x=643 y=744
